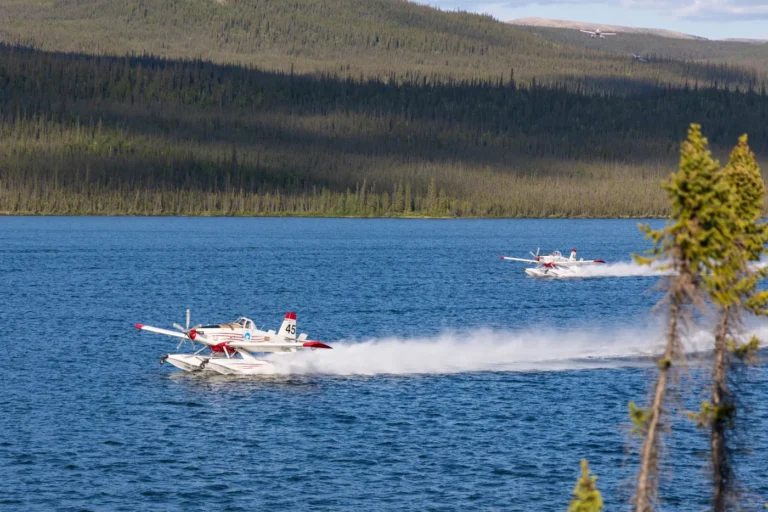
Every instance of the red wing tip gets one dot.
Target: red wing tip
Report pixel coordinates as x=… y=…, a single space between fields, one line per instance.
x=502 y=257
x=290 y=316
x=573 y=250
x=599 y=261
x=139 y=326
x=315 y=344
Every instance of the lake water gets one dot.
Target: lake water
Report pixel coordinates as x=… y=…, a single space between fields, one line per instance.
x=456 y=382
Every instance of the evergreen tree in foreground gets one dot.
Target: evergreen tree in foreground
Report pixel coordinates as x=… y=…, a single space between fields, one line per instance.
x=699 y=232
x=712 y=244
x=586 y=497
x=732 y=288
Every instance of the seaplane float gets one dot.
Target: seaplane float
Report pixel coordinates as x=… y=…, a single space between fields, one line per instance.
x=229 y=348
x=553 y=264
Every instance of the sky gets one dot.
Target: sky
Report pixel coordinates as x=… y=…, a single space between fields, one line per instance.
x=713 y=19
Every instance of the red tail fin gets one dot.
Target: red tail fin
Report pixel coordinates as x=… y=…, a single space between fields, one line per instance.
x=288 y=328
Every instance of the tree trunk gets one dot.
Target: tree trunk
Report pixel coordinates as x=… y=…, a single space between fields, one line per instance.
x=719 y=399
x=646 y=487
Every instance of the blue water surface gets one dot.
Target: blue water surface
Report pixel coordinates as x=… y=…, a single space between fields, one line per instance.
x=418 y=417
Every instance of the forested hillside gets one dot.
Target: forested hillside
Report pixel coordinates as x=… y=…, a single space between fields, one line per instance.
x=386 y=39
x=142 y=135
x=340 y=107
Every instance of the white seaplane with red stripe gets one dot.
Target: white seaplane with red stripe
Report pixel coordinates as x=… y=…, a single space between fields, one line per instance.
x=228 y=348
x=553 y=264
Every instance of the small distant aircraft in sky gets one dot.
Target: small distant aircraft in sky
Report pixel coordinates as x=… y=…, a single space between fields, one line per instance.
x=638 y=58
x=598 y=33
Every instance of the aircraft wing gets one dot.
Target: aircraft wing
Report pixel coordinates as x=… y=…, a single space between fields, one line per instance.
x=509 y=258
x=608 y=33
x=175 y=334
x=275 y=346
x=577 y=263
x=587 y=32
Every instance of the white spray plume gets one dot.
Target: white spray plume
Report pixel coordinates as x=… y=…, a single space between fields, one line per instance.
x=480 y=351
x=624 y=269
x=619 y=269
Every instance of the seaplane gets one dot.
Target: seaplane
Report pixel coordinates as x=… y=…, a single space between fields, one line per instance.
x=598 y=33
x=229 y=348
x=553 y=264
x=639 y=58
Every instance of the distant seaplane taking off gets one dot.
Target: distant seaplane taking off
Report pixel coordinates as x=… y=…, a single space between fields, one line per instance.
x=598 y=33
x=639 y=58
x=554 y=264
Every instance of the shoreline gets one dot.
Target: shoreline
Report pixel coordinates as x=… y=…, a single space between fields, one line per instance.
x=311 y=216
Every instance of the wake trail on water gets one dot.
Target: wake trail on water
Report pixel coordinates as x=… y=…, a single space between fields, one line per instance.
x=624 y=269
x=618 y=269
x=488 y=350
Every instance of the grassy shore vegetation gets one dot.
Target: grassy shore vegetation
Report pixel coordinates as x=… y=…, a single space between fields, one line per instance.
x=141 y=135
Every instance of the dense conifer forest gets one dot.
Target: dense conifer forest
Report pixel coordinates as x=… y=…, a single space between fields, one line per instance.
x=402 y=110
x=383 y=39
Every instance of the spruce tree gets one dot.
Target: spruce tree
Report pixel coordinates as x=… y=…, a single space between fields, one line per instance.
x=697 y=231
x=732 y=287
x=586 y=497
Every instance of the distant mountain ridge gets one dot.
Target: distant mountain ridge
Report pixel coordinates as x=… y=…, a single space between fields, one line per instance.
x=655 y=43
x=746 y=40
x=580 y=25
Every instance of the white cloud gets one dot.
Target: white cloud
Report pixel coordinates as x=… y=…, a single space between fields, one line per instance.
x=715 y=10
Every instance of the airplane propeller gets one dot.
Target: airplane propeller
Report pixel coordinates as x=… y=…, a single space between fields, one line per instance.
x=191 y=333
x=535 y=256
